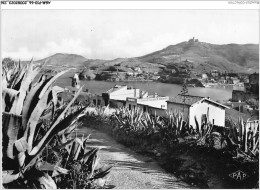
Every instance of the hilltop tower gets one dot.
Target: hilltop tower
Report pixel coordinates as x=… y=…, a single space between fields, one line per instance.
x=75 y=81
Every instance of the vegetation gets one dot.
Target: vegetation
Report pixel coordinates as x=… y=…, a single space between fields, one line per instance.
x=39 y=150
x=166 y=138
x=135 y=126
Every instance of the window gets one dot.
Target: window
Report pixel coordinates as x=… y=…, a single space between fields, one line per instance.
x=129 y=106
x=99 y=102
x=94 y=101
x=144 y=108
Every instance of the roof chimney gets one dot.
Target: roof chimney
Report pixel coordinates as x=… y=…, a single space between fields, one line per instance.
x=208 y=97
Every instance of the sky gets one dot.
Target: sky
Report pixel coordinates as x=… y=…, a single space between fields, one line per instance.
x=110 y=34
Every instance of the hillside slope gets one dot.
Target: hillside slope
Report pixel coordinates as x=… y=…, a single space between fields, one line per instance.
x=60 y=59
x=200 y=57
x=205 y=56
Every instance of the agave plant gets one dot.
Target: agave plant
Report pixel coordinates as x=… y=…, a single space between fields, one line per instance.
x=203 y=131
x=129 y=120
x=245 y=136
x=83 y=165
x=151 y=124
x=24 y=106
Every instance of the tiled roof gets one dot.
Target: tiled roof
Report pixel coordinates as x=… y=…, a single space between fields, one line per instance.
x=189 y=99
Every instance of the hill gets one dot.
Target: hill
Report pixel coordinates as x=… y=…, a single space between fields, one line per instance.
x=199 y=57
x=204 y=56
x=60 y=59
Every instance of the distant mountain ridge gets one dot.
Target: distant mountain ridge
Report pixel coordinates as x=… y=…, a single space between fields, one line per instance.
x=230 y=57
x=200 y=57
x=60 y=59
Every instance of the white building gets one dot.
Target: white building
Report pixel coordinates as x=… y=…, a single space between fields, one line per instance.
x=199 y=107
x=116 y=96
x=145 y=103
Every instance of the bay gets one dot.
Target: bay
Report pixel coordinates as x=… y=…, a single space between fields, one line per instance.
x=216 y=93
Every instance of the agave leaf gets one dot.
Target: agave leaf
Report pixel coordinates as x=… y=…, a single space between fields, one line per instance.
x=70 y=120
x=78 y=149
x=34 y=118
x=13 y=104
x=11 y=125
x=18 y=79
x=44 y=166
x=245 y=136
x=26 y=82
x=58 y=148
x=21 y=158
x=197 y=125
x=8 y=177
x=89 y=155
x=92 y=163
x=59 y=171
x=51 y=132
x=4 y=81
x=21 y=145
x=8 y=95
x=46 y=182
x=51 y=81
x=84 y=140
x=74 y=150
x=71 y=128
x=38 y=128
x=102 y=172
x=28 y=101
x=46 y=116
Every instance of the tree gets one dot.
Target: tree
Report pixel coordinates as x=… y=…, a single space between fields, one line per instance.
x=184 y=92
x=8 y=62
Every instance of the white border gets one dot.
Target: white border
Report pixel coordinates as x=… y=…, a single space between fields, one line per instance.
x=188 y=5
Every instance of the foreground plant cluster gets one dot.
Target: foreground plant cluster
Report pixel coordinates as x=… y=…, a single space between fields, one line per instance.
x=238 y=141
x=136 y=127
x=40 y=149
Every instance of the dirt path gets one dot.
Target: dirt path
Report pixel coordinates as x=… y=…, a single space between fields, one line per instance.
x=131 y=171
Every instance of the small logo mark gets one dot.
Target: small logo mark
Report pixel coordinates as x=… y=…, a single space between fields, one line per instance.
x=238 y=175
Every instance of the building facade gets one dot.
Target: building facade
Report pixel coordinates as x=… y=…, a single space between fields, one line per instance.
x=143 y=104
x=199 y=107
x=116 y=96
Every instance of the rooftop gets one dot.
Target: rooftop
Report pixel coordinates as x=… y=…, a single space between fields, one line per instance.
x=189 y=99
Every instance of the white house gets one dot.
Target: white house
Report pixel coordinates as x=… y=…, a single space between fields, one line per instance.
x=116 y=96
x=144 y=103
x=199 y=107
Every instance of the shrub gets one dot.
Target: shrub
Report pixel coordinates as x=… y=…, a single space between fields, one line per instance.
x=31 y=124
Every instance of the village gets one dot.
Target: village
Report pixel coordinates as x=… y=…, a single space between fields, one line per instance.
x=242 y=104
x=175 y=74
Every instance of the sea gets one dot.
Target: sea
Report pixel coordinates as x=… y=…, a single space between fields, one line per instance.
x=216 y=93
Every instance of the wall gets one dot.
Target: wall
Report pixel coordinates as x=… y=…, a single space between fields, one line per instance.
x=184 y=109
x=158 y=102
x=160 y=112
x=122 y=93
x=116 y=104
x=142 y=103
x=216 y=113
